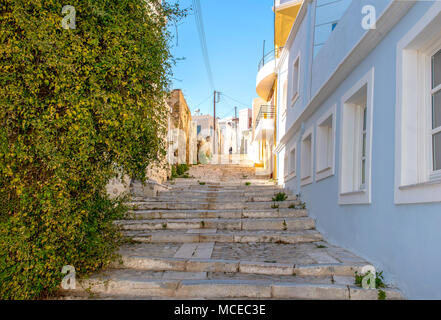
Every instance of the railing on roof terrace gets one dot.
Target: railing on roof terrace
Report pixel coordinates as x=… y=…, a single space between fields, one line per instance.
x=270 y=56
x=265 y=112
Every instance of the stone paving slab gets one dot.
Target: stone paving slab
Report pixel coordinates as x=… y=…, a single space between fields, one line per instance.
x=250 y=258
x=220 y=285
x=294 y=254
x=222 y=214
x=256 y=236
x=195 y=250
x=234 y=196
x=188 y=205
x=199 y=231
x=302 y=223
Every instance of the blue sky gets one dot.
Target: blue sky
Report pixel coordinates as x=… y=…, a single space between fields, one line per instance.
x=235 y=30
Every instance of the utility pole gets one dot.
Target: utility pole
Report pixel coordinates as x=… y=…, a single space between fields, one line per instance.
x=214 y=122
x=236 y=121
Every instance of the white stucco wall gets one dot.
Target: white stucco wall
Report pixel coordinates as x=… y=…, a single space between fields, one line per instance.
x=401 y=240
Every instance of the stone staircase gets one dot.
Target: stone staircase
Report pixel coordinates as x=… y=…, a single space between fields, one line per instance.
x=215 y=236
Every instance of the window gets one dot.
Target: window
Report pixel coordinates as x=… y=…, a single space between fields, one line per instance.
x=292 y=162
x=436 y=112
x=362 y=154
x=306 y=158
x=284 y=101
x=325 y=145
x=355 y=143
x=199 y=128
x=418 y=112
x=295 y=79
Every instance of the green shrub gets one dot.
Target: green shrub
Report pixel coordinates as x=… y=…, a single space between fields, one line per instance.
x=77 y=107
x=379 y=279
x=281 y=196
x=182 y=168
x=179 y=171
x=174 y=174
x=381 y=295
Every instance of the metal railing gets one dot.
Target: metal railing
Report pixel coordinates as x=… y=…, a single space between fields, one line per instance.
x=265 y=112
x=270 y=56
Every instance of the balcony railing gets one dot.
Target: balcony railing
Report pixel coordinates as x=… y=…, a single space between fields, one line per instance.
x=265 y=112
x=270 y=56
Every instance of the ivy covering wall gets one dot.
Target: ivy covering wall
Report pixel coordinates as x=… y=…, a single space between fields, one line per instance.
x=74 y=105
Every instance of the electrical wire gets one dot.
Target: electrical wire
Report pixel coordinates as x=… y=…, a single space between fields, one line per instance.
x=205 y=100
x=202 y=39
x=235 y=100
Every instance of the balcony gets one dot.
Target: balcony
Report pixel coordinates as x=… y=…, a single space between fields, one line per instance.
x=266 y=76
x=265 y=122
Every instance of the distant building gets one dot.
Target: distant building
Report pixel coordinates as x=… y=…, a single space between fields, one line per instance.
x=181 y=137
x=245 y=130
x=205 y=136
x=228 y=129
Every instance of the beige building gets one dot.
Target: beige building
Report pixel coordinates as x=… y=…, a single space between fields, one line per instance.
x=180 y=130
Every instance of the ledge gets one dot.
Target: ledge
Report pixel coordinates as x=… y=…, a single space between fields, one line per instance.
x=421 y=184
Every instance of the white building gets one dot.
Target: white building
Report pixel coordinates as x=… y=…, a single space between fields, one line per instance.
x=359 y=131
x=229 y=132
x=245 y=130
x=205 y=133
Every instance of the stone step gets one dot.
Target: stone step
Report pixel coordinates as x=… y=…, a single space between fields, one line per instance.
x=223 y=214
x=293 y=224
x=167 y=236
x=222 y=195
x=235 y=266
x=153 y=205
x=239 y=186
x=303 y=259
x=230 y=191
x=212 y=198
x=221 y=285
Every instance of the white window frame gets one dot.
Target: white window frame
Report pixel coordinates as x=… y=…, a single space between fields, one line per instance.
x=285 y=165
x=362 y=194
x=323 y=173
x=295 y=88
x=415 y=180
x=284 y=101
x=293 y=162
x=307 y=179
x=434 y=174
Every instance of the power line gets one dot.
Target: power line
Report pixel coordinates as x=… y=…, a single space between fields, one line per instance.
x=205 y=100
x=202 y=39
x=235 y=100
x=228 y=112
